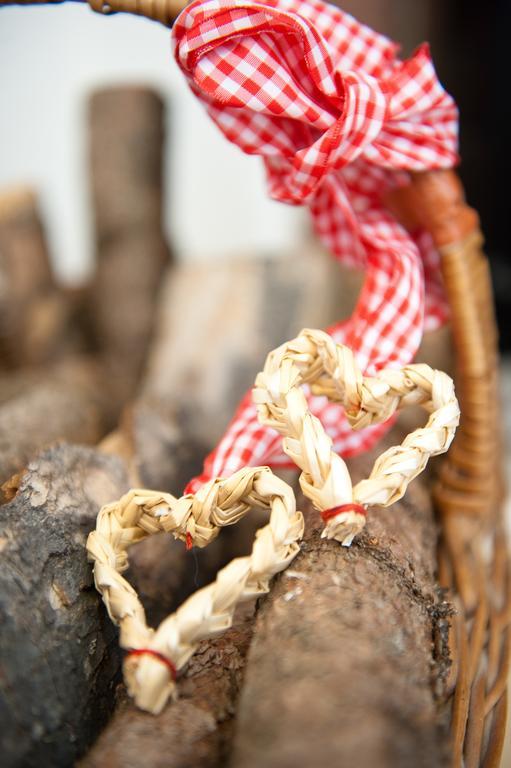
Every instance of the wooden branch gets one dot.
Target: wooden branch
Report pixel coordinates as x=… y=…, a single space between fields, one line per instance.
x=126 y=139
x=58 y=649
x=194 y=732
x=33 y=313
x=67 y=402
x=341 y=668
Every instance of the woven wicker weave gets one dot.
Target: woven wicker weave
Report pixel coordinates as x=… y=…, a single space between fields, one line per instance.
x=473 y=559
x=473 y=562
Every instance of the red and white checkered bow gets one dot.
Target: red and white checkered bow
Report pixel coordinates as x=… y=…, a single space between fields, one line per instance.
x=339 y=121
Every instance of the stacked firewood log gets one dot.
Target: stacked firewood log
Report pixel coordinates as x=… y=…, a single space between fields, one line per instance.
x=129 y=381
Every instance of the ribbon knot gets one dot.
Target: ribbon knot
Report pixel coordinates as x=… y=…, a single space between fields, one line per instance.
x=362 y=119
x=364 y=107
x=310 y=90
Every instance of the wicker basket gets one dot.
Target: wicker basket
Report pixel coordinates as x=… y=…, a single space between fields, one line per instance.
x=473 y=562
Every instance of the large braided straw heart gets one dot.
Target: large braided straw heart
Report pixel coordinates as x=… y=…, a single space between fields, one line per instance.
x=312 y=358
x=155 y=655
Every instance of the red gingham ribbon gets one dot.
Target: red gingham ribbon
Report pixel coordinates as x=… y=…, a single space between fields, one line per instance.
x=339 y=121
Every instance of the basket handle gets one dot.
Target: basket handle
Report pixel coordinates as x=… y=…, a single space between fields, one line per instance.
x=434 y=200
x=164 y=11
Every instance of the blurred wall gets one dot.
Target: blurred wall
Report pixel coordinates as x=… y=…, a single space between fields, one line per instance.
x=50 y=59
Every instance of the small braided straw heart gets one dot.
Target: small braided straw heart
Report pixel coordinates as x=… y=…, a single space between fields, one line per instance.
x=313 y=359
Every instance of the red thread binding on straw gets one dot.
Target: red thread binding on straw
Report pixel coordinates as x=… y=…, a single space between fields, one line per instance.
x=189 y=540
x=156 y=655
x=327 y=514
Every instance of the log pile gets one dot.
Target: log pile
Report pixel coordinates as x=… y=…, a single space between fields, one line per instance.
x=340 y=667
x=337 y=665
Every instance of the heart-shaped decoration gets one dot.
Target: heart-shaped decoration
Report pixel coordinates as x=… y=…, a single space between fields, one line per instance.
x=155 y=656
x=313 y=358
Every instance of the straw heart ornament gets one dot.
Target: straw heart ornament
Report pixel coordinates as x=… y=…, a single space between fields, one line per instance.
x=155 y=656
x=330 y=369
x=339 y=120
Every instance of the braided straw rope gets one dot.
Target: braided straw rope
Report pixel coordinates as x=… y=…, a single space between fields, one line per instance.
x=330 y=369
x=311 y=358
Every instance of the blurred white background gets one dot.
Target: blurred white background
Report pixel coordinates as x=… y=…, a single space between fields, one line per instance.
x=50 y=60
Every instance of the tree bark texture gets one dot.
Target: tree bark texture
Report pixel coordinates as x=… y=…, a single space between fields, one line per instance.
x=341 y=670
x=58 y=649
x=126 y=140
